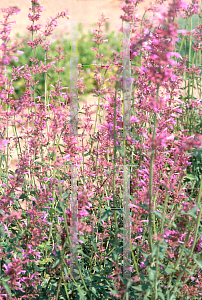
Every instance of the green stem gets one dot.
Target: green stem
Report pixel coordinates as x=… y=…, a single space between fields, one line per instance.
x=58 y=289
x=186 y=241
x=135 y=263
x=151 y=181
x=114 y=169
x=65 y=285
x=191 y=252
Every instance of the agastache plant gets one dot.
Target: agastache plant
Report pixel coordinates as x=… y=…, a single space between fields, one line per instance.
x=35 y=247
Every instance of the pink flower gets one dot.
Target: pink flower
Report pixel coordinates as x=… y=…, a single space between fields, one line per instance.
x=3 y=143
x=20 y=52
x=83 y=213
x=15 y=58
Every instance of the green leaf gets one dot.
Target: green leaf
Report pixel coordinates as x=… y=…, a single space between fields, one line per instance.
x=83 y=239
x=158 y=214
x=62 y=205
x=141 y=288
x=196 y=152
x=192 y=212
x=65 y=269
x=106 y=215
x=94 y=291
x=65 y=175
x=114 y=292
x=23 y=196
x=55 y=264
x=109 y=172
x=198 y=261
x=44 y=261
x=96 y=269
x=52 y=210
x=161 y=295
x=94 y=245
x=151 y=272
x=145 y=254
x=162 y=249
x=120 y=150
x=6 y=286
x=115 y=254
x=191 y=177
x=86 y=154
x=68 y=163
x=144 y=206
x=81 y=293
x=169 y=270
x=81 y=252
x=40 y=163
x=7 y=278
x=65 y=195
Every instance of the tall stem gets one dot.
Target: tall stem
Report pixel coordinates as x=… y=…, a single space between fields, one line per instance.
x=114 y=167
x=151 y=181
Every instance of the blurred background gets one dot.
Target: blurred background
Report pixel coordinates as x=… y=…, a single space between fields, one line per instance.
x=87 y=13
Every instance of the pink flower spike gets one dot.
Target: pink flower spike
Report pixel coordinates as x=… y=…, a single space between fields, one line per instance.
x=182 y=31
x=3 y=143
x=139 y=237
x=170 y=137
x=15 y=58
x=20 y=52
x=184 y=4
x=66 y=156
x=83 y=212
x=176 y=54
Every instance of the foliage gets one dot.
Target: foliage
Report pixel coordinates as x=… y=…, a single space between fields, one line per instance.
x=162 y=152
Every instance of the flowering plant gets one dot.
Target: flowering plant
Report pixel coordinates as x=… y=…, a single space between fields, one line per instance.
x=144 y=127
